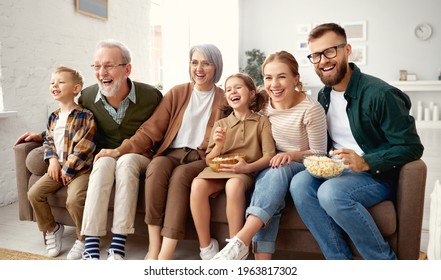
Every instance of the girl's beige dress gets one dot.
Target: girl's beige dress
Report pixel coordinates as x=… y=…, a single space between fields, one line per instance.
x=251 y=136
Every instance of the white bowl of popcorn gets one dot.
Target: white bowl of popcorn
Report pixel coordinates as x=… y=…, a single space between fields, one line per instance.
x=323 y=166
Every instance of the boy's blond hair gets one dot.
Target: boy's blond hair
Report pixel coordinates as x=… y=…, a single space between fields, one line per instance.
x=76 y=75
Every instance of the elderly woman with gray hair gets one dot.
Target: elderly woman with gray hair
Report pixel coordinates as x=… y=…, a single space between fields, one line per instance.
x=179 y=130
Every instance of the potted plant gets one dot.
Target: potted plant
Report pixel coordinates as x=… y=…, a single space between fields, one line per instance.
x=255 y=59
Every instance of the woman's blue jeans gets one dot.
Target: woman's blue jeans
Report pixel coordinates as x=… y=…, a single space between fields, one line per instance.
x=331 y=208
x=267 y=202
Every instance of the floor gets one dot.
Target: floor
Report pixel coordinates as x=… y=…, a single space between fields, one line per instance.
x=25 y=236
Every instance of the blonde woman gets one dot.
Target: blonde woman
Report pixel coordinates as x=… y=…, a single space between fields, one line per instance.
x=299 y=127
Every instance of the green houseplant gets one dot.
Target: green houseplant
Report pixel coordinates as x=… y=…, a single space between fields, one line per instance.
x=255 y=59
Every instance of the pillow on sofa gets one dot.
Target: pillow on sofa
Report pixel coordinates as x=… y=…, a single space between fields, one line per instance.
x=35 y=162
x=434 y=246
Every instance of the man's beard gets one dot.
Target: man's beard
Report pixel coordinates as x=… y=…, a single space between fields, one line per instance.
x=332 y=81
x=112 y=91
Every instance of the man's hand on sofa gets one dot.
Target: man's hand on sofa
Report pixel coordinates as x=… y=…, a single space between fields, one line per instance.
x=29 y=137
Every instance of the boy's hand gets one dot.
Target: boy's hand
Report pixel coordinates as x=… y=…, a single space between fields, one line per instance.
x=66 y=179
x=29 y=137
x=54 y=169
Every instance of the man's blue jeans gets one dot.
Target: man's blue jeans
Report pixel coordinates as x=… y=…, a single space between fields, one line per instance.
x=330 y=208
x=267 y=202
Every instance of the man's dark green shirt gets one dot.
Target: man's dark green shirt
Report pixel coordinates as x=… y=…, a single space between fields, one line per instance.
x=379 y=118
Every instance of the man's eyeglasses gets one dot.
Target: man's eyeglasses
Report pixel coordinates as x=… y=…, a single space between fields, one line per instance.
x=328 y=53
x=107 y=67
x=204 y=64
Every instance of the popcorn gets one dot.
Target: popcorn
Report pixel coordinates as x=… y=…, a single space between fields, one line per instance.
x=323 y=166
x=225 y=159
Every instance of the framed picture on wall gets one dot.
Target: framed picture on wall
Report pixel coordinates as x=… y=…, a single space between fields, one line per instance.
x=94 y=8
x=302 y=45
x=358 y=55
x=303 y=29
x=355 y=31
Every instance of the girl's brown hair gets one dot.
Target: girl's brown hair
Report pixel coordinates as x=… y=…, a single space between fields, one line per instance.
x=260 y=97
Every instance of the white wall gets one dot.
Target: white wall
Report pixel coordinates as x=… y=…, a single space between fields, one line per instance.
x=391 y=44
x=37 y=36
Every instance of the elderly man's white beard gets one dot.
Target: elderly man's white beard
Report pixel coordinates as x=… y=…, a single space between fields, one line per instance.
x=112 y=91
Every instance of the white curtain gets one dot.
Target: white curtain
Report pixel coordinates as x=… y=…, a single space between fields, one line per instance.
x=434 y=246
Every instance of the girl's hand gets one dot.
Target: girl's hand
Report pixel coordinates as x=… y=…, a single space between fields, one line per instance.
x=241 y=167
x=219 y=136
x=280 y=159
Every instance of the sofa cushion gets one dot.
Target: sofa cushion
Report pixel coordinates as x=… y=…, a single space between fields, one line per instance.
x=35 y=163
x=32 y=180
x=385 y=216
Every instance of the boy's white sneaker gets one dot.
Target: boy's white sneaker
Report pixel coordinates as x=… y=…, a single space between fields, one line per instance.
x=76 y=253
x=209 y=252
x=53 y=241
x=234 y=250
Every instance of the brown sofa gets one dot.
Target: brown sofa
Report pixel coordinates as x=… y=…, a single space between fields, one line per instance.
x=400 y=221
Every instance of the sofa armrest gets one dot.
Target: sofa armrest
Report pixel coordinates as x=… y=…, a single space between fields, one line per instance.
x=410 y=208
x=22 y=178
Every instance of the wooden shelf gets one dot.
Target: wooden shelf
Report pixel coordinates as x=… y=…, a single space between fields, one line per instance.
x=417 y=85
x=428 y=124
x=7 y=114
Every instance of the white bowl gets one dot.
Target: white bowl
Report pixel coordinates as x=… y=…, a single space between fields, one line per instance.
x=323 y=166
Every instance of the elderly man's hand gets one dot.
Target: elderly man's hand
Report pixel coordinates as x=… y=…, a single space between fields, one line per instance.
x=29 y=137
x=107 y=153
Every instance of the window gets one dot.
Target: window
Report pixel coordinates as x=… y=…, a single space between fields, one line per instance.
x=156 y=15
x=193 y=22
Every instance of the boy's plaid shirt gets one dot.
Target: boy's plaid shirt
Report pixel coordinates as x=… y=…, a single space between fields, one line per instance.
x=79 y=141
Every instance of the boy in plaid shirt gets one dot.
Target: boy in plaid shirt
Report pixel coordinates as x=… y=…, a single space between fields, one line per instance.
x=69 y=148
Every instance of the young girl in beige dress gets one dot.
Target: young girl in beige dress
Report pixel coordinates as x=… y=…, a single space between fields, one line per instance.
x=243 y=131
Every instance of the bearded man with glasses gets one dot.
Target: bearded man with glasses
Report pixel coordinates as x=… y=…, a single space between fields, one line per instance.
x=371 y=132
